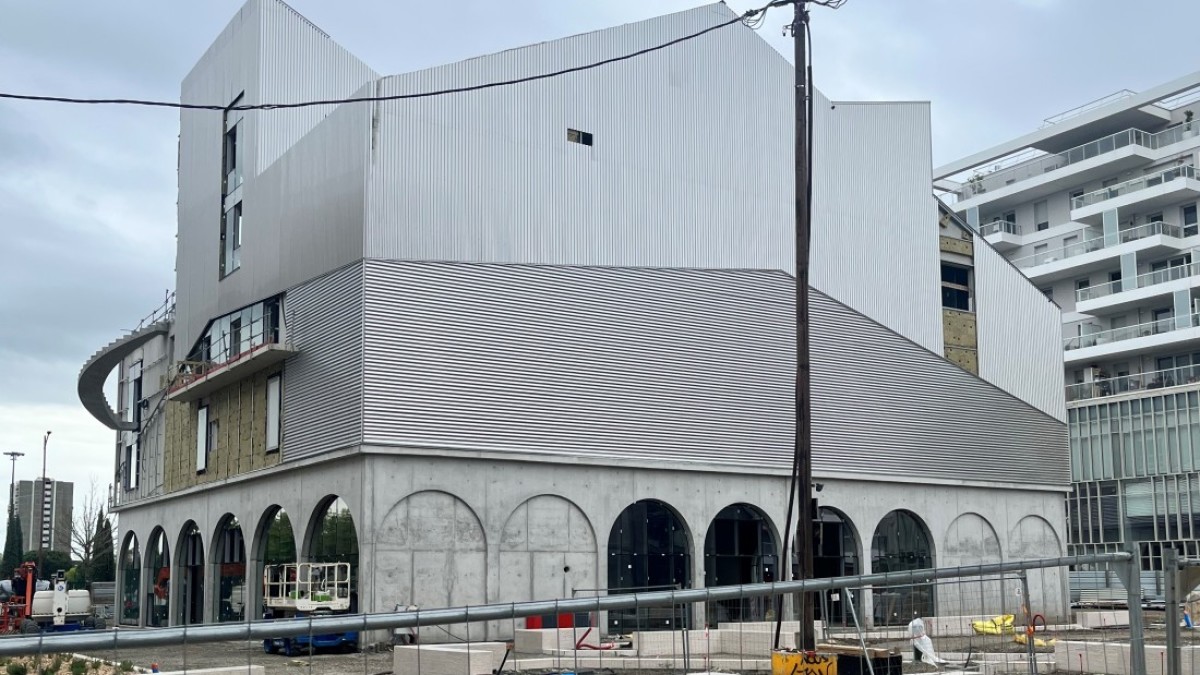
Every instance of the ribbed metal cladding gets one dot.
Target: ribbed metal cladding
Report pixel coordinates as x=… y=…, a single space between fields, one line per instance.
x=323 y=384
x=490 y=176
x=1020 y=334
x=873 y=214
x=673 y=365
x=268 y=53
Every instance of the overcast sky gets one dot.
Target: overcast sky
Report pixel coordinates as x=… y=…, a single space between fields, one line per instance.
x=87 y=193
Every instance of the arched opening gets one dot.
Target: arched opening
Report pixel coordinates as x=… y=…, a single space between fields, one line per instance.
x=740 y=548
x=131 y=581
x=229 y=560
x=158 y=563
x=332 y=538
x=274 y=545
x=649 y=547
x=836 y=554
x=902 y=543
x=190 y=556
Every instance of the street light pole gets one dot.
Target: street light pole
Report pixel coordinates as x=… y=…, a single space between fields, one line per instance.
x=42 y=514
x=12 y=489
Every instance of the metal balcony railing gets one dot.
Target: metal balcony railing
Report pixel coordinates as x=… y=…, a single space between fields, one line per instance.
x=1130 y=332
x=1140 y=281
x=1098 y=243
x=998 y=226
x=1037 y=166
x=1134 y=185
x=1113 y=386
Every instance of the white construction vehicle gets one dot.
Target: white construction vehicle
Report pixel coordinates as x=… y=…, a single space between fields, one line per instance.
x=297 y=590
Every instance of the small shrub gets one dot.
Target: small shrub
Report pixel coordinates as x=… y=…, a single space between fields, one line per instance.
x=16 y=669
x=95 y=665
x=78 y=667
x=126 y=667
x=56 y=664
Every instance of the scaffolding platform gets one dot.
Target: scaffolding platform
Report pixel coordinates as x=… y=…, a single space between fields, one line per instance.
x=307 y=587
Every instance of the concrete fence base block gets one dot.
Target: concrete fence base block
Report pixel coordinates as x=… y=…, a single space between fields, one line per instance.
x=1103 y=619
x=480 y=658
x=546 y=640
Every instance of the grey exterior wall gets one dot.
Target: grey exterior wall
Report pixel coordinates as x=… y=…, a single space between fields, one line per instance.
x=875 y=234
x=271 y=54
x=156 y=374
x=679 y=366
x=1020 y=334
x=322 y=405
x=662 y=186
x=421 y=512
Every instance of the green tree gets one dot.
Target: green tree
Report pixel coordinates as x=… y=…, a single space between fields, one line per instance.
x=12 y=546
x=281 y=541
x=104 y=561
x=55 y=561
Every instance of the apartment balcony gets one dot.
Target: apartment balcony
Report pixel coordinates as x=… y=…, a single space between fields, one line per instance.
x=1046 y=174
x=1121 y=296
x=1149 y=192
x=1002 y=235
x=1137 y=384
x=230 y=357
x=1174 y=332
x=1099 y=252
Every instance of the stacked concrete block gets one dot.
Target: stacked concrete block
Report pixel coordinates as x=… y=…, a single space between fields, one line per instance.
x=478 y=658
x=551 y=640
x=1111 y=658
x=670 y=643
x=1102 y=619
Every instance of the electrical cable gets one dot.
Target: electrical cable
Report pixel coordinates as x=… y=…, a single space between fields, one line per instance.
x=748 y=16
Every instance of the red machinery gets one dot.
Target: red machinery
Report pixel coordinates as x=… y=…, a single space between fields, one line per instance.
x=19 y=607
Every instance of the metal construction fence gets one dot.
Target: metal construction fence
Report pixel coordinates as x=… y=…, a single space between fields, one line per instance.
x=1012 y=616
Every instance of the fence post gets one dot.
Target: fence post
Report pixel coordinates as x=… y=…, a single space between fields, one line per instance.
x=1027 y=610
x=1130 y=573
x=1171 y=591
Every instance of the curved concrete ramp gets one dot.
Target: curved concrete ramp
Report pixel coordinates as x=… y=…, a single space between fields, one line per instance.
x=95 y=372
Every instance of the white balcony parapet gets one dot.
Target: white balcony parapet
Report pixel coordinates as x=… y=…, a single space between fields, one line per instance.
x=1134 y=185
x=1131 y=332
x=1098 y=243
x=1126 y=384
x=1140 y=281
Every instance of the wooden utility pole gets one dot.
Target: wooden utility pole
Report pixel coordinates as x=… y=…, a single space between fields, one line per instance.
x=803 y=414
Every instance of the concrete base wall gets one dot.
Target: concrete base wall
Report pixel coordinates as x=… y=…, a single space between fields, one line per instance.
x=439 y=530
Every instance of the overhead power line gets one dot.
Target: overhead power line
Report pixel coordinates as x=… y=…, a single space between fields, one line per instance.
x=747 y=18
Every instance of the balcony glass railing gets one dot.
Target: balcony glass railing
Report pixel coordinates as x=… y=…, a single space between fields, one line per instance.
x=998 y=226
x=1130 y=332
x=1140 y=281
x=1113 y=386
x=1037 y=166
x=1096 y=244
x=1131 y=186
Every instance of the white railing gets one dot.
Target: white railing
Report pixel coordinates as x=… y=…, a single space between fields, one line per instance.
x=1098 y=243
x=1089 y=106
x=1134 y=185
x=306 y=587
x=1037 y=166
x=998 y=226
x=1131 y=332
x=1113 y=386
x=1140 y=281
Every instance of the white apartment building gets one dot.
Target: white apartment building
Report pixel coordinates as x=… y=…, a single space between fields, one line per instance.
x=1098 y=209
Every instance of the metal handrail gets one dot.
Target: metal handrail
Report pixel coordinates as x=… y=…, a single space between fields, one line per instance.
x=997 y=226
x=1098 y=243
x=1033 y=167
x=1133 y=185
x=1114 y=386
x=1089 y=106
x=1130 y=332
x=1140 y=281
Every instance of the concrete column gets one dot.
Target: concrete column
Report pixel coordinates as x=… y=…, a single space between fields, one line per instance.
x=973 y=218
x=1128 y=271
x=867 y=609
x=1183 y=308
x=212 y=583
x=1111 y=227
